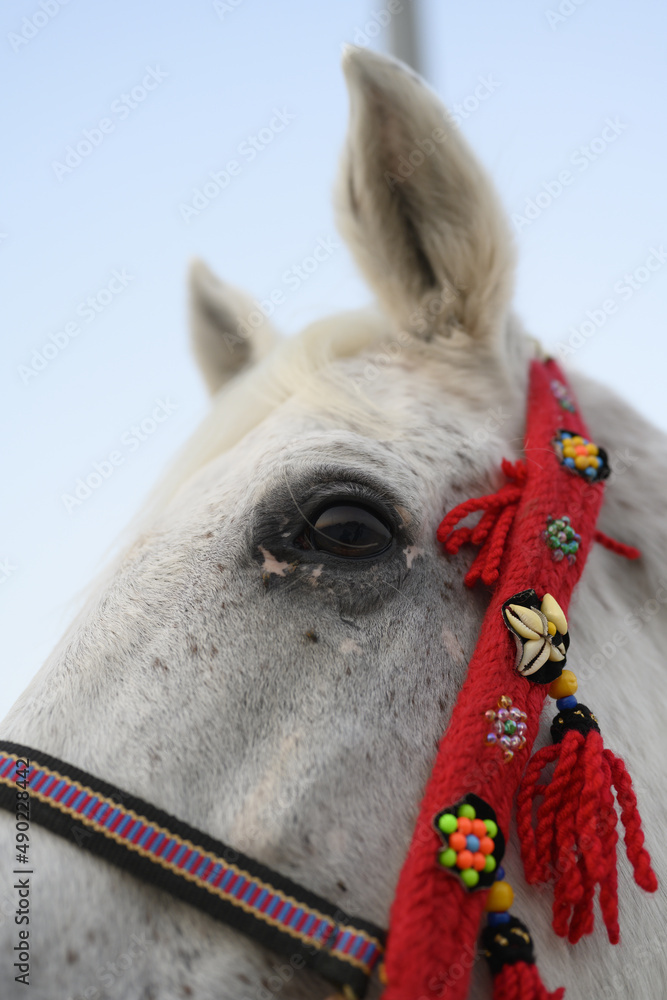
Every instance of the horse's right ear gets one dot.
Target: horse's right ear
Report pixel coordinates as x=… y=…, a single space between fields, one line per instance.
x=416 y=208
x=228 y=330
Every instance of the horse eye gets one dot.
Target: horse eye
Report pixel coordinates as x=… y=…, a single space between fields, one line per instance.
x=349 y=530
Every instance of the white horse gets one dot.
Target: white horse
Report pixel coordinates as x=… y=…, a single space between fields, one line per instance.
x=278 y=692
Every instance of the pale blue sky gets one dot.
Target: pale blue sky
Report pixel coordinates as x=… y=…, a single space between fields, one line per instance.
x=219 y=77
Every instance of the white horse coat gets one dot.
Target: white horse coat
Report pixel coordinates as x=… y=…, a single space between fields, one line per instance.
x=288 y=701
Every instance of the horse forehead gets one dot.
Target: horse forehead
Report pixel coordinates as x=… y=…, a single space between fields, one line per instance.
x=300 y=452
x=394 y=428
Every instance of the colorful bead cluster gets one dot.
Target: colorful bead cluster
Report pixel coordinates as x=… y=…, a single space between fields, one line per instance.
x=581 y=455
x=508 y=727
x=471 y=843
x=561 y=538
x=560 y=392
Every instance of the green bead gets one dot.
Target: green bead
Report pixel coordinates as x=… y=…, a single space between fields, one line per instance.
x=560 y=524
x=552 y=529
x=553 y=542
x=470 y=877
x=569 y=533
x=510 y=727
x=447 y=858
x=490 y=863
x=491 y=828
x=447 y=823
x=467 y=810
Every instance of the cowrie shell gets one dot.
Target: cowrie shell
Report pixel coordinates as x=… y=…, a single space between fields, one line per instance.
x=526 y=622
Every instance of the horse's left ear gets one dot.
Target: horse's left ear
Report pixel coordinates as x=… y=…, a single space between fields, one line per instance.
x=417 y=209
x=228 y=330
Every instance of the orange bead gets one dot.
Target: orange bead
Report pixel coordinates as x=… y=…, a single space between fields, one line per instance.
x=457 y=842
x=479 y=828
x=500 y=898
x=581 y=449
x=563 y=686
x=486 y=845
x=478 y=861
x=464 y=860
x=465 y=825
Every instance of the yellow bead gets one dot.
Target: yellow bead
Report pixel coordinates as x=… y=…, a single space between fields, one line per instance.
x=500 y=898
x=592 y=449
x=581 y=461
x=382 y=974
x=563 y=686
x=551 y=628
x=577 y=439
x=568 y=451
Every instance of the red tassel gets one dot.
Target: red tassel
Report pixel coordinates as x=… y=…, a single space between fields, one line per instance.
x=494 y=526
x=522 y=982
x=492 y=529
x=573 y=841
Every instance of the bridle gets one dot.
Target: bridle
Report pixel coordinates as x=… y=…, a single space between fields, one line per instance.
x=534 y=536
x=191 y=865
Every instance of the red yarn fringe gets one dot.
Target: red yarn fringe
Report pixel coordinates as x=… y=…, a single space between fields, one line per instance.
x=573 y=841
x=522 y=982
x=491 y=531
x=629 y=551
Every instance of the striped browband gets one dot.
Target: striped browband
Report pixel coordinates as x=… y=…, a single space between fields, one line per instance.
x=198 y=869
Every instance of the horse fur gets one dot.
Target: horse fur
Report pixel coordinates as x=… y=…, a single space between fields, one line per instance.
x=288 y=702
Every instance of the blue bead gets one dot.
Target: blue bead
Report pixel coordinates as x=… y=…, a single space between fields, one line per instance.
x=569 y=462
x=472 y=842
x=494 y=919
x=568 y=702
x=500 y=873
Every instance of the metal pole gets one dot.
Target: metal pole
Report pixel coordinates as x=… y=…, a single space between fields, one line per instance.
x=404 y=40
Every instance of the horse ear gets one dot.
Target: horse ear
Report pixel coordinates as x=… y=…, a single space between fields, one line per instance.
x=226 y=337
x=416 y=208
